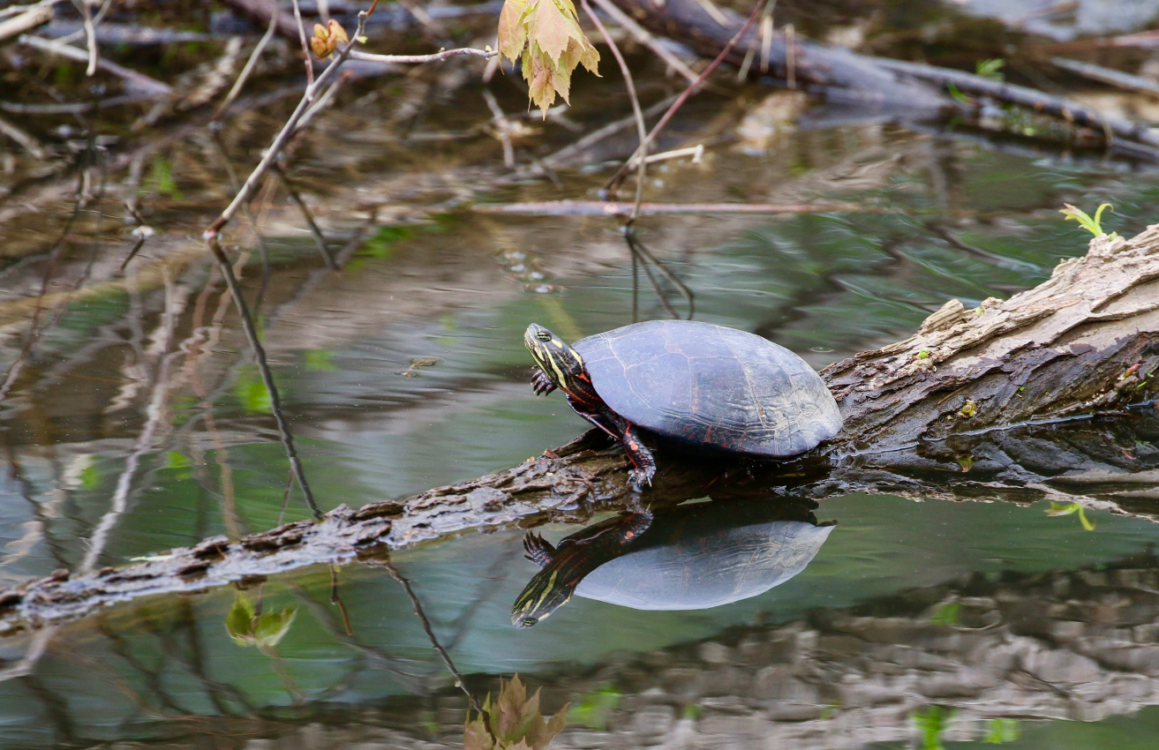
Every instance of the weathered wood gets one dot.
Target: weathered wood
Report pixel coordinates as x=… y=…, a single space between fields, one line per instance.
x=993 y=403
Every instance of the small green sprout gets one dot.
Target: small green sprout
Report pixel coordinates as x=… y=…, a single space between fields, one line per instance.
x=924 y=354
x=999 y=731
x=957 y=95
x=1094 y=225
x=1061 y=509
x=966 y=462
x=968 y=410
x=946 y=615
x=991 y=69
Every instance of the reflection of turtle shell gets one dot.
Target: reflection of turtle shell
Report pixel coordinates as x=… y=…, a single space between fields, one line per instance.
x=706 y=570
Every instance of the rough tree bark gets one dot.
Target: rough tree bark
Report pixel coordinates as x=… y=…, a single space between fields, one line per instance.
x=1047 y=394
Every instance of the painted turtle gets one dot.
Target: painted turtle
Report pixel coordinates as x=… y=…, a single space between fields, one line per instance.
x=697 y=382
x=691 y=557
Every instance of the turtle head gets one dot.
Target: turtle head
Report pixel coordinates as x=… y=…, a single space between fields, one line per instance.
x=543 y=595
x=559 y=362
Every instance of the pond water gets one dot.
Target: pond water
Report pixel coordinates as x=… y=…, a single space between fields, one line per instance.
x=139 y=423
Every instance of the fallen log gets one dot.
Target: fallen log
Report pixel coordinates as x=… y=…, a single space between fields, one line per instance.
x=1049 y=394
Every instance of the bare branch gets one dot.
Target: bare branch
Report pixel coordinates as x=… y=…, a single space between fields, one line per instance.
x=27 y=21
x=142 y=82
x=418 y=59
x=641 y=35
x=90 y=35
x=250 y=64
x=305 y=47
x=620 y=208
x=618 y=177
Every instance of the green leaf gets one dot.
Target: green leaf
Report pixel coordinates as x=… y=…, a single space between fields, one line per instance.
x=239 y=621
x=271 y=627
x=991 y=69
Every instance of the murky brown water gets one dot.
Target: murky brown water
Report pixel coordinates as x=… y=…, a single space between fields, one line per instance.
x=137 y=423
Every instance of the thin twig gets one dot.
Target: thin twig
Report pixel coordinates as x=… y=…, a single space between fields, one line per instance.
x=502 y=128
x=287 y=130
x=622 y=208
x=251 y=63
x=267 y=376
x=618 y=177
x=28 y=142
x=305 y=46
x=641 y=127
x=1108 y=75
x=641 y=35
x=419 y=59
x=142 y=82
x=27 y=21
x=90 y=35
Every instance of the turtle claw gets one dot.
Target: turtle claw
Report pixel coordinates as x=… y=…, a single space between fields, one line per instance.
x=541 y=383
x=641 y=477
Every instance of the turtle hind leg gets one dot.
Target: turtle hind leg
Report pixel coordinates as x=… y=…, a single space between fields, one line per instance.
x=541 y=383
x=537 y=549
x=641 y=456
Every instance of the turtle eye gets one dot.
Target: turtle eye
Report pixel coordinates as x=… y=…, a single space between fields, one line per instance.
x=529 y=621
x=543 y=336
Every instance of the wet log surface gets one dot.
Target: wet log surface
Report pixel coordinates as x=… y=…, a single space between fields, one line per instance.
x=1047 y=394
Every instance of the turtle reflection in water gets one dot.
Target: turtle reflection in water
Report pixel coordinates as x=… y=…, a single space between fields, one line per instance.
x=694 y=556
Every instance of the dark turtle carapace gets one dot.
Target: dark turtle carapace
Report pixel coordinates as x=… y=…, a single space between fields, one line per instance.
x=696 y=382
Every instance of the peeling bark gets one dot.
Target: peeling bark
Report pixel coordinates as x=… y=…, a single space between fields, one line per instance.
x=1047 y=394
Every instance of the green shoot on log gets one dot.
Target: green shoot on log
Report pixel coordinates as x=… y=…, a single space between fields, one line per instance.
x=1061 y=509
x=1094 y=225
x=991 y=69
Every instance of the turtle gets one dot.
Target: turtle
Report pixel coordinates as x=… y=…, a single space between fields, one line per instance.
x=693 y=556
x=694 y=382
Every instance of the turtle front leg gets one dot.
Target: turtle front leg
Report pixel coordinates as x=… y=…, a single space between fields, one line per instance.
x=541 y=383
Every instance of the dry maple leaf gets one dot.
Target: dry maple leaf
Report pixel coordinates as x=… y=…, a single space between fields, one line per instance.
x=545 y=36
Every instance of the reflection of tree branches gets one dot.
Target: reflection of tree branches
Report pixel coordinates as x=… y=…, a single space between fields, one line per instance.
x=485 y=592
x=319 y=238
x=643 y=257
x=267 y=376
x=152 y=676
x=196 y=664
x=372 y=655
x=60 y=722
x=38 y=527
x=155 y=411
x=418 y=610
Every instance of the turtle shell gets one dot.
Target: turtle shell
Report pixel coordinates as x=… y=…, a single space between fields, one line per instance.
x=711 y=385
